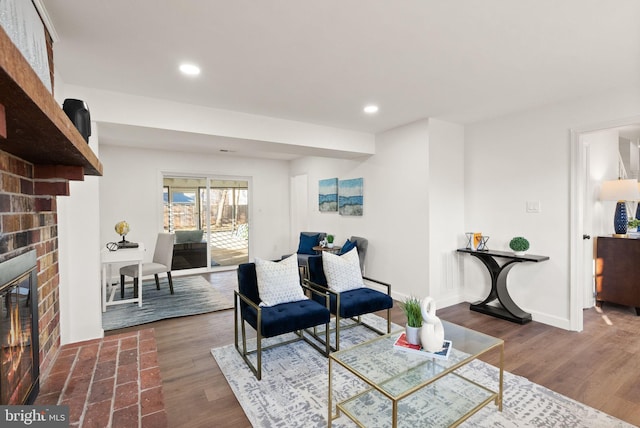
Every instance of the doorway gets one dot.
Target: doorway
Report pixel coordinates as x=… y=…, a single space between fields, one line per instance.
x=594 y=158
x=210 y=217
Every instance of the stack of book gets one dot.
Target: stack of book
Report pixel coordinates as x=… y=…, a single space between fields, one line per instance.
x=442 y=354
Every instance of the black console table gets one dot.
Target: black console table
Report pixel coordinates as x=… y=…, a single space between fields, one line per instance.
x=507 y=310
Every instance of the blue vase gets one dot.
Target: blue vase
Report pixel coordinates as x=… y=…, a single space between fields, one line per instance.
x=620 y=219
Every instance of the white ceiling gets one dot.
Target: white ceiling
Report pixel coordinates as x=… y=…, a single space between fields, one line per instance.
x=322 y=61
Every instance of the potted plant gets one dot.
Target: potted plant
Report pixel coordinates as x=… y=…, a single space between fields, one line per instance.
x=330 y=241
x=633 y=224
x=519 y=245
x=412 y=310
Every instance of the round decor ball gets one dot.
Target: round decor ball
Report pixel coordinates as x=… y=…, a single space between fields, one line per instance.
x=519 y=244
x=122 y=228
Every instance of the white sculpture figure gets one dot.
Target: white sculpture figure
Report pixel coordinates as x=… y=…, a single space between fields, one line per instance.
x=432 y=333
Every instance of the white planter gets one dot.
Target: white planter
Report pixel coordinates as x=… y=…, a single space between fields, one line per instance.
x=519 y=253
x=330 y=245
x=413 y=335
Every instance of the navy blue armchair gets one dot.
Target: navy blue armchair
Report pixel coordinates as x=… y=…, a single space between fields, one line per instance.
x=308 y=240
x=268 y=321
x=353 y=303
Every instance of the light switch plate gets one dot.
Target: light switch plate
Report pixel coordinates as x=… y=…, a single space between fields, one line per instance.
x=533 y=206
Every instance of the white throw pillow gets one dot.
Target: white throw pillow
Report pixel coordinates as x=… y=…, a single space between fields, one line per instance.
x=342 y=272
x=279 y=282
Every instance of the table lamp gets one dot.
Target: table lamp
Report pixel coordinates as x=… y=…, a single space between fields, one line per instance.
x=620 y=191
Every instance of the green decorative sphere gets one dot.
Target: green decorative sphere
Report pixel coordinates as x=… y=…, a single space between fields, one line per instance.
x=519 y=244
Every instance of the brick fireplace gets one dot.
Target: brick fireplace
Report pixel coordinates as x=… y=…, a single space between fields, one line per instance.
x=40 y=151
x=28 y=221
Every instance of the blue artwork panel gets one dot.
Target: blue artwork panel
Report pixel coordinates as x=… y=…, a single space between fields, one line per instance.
x=328 y=195
x=350 y=196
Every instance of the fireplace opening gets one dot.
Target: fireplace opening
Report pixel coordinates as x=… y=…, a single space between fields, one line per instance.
x=19 y=343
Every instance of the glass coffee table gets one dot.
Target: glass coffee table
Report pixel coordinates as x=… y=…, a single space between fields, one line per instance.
x=405 y=389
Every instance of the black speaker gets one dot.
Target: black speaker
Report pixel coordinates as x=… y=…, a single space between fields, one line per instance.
x=78 y=112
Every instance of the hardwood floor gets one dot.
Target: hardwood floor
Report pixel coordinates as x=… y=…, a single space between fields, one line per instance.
x=599 y=366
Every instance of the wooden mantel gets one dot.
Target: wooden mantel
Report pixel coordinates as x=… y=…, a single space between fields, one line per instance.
x=37 y=129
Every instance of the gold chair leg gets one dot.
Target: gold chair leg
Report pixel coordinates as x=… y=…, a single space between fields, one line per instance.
x=327 y=338
x=235 y=320
x=244 y=339
x=337 y=332
x=259 y=345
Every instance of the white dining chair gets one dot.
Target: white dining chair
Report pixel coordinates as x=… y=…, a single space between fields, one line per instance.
x=162 y=257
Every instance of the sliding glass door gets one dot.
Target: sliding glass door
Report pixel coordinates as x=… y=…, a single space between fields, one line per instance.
x=210 y=217
x=227 y=206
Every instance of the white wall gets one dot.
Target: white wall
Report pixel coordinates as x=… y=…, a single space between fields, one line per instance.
x=299 y=208
x=78 y=252
x=131 y=190
x=446 y=210
x=308 y=171
x=397 y=206
x=408 y=232
x=79 y=260
x=603 y=166
x=526 y=157
x=628 y=150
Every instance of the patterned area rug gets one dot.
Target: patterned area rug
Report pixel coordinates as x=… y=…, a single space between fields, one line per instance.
x=293 y=392
x=193 y=295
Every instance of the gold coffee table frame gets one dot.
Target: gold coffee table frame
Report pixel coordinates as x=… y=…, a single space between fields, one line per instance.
x=396 y=374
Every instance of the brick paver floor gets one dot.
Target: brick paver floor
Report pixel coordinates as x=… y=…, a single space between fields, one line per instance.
x=111 y=382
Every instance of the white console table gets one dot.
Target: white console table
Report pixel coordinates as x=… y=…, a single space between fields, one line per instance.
x=123 y=255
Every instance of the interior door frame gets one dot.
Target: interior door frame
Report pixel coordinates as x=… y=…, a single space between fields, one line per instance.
x=576 y=226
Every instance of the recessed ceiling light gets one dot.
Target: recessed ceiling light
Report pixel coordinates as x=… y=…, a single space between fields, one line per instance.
x=370 y=109
x=190 y=69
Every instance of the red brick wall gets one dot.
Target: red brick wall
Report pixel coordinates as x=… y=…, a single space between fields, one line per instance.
x=29 y=221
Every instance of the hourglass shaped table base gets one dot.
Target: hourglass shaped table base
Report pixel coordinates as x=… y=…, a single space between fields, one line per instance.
x=506 y=308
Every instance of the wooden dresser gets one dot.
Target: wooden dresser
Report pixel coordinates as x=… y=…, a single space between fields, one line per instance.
x=617 y=265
